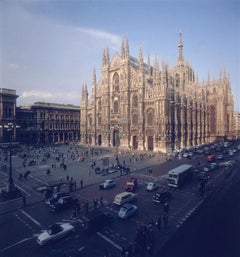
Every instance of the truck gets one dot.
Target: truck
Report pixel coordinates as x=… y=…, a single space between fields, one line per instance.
x=131 y=184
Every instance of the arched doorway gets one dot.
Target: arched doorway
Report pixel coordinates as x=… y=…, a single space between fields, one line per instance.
x=134 y=142
x=150 y=143
x=116 y=137
x=99 y=139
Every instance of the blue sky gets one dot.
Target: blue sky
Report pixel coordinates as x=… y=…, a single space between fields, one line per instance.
x=49 y=48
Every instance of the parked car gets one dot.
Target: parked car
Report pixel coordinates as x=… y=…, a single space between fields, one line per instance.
x=220 y=157
x=213 y=166
x=109 y=183
x=161 y=196
x=54 y=232
x=124 y=197
x=152 y=186
x=95 y=220
x=226 y=163
x=127 y=210
x=55 y=197
x=131 y=184
x=62 y=203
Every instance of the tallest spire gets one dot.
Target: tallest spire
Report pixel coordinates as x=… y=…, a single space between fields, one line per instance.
x=180 y=49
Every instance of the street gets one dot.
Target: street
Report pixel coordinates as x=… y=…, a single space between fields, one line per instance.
x=20 y=226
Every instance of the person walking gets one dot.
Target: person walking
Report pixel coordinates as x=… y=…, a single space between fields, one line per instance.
x=24 y=200
x=165 y=220
x=81 y=183
x=158 y=223
x=150 y=171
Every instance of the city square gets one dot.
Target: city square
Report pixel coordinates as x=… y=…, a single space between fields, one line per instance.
x=119 y=128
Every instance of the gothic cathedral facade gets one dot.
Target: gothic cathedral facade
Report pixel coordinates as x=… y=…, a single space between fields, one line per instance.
x=137 y=105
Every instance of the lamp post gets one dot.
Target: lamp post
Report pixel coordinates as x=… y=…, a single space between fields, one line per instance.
x=11 y=190
x=10 y=186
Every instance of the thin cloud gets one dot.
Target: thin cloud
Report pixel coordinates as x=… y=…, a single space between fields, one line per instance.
x=38 y=95
x=112 y=38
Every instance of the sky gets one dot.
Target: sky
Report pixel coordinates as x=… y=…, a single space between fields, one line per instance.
x=49 y=48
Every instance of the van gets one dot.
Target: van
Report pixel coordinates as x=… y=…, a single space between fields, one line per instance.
x=131 y=184
x=95 y=220
x=124 y=197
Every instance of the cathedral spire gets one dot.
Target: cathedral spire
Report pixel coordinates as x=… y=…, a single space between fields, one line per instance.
x=107 y=56
x=180 y=49
x=127 y=48
x=94 y=76
x=104 y=58
x=140 y=55
x=123 y=49
x=149 y=65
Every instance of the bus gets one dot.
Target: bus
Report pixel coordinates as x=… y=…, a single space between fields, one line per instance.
x=179 y=175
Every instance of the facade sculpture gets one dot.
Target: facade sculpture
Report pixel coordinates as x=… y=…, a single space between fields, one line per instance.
x=140 y=106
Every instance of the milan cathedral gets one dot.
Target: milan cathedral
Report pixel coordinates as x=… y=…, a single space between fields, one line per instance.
x=137 y=105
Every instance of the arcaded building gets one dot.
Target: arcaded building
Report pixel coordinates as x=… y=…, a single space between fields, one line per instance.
x=48 y=123
x=8 y=98
x=139 y=105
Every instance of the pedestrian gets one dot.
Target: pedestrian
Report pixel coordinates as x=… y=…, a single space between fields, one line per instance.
x=101 y=200
x=150 y=171
x=150 y=249
x=86 y=206
x=158 y=223
x=24 y=200
x=81 y=183
x=166 y=208
x=130 y=250
x=74 y=213
x=165 y=220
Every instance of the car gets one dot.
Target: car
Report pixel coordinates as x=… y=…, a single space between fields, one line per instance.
x=185 y=155
x=161 y=196
x=62 y=203
x=124 y=197
x=109 y=183
x=226 y=163
x=55 y=197
x=95 y=220
x=152 y=186
x=213 y=166
x=54 y=232
x=206 y=169
x=203 y=176
x=220 y=157
x=127 y=210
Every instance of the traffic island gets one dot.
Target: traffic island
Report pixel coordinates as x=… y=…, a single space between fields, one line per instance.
x=7 y=195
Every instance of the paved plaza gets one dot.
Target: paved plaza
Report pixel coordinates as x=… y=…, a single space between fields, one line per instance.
x=62 y=163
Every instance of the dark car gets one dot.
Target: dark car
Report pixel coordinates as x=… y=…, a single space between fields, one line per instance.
x=96 y=220
x=62 y=203
x=55 y=197
x=161 y=196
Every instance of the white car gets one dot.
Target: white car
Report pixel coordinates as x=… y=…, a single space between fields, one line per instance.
x=54 y=232
x=151 y=186
x=109 y=183
x=127 y=210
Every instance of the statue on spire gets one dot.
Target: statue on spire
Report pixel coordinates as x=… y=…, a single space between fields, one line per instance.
x=180 y=49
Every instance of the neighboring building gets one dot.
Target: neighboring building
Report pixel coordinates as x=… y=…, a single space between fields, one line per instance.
x=237 y=125
x=138 y=106
x=48 y=123
x=27 y=132
x=7 y=113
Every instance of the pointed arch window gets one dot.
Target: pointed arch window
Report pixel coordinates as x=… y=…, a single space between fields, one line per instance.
x=115 y=107
x=150 y=119
x=135 y=119
x=116 y=82
x=177 y=79
x=135 y=101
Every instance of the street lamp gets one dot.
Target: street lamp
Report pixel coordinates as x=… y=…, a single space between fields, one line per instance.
x=11 y=190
